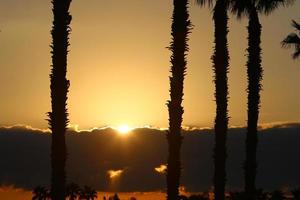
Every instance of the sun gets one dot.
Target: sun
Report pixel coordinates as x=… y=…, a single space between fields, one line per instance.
x=124 y=129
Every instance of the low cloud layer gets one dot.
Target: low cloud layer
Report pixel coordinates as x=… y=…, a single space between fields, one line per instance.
x=141 y=155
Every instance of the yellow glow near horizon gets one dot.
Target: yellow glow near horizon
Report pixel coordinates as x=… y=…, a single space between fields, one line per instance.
x=124 y=129
x=109 y=84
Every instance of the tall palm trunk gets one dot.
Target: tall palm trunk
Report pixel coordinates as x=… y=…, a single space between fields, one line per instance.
x=254 y=71
x=58 y=117
x=220 y=66
x=179 y=48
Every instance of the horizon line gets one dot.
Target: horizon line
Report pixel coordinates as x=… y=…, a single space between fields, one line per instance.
x=75 y=127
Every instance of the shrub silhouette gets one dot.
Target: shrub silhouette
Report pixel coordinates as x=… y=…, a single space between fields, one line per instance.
x=182 y=197
x=198 y=197
x=72 y=191
x=87 y=193
x=40 y=193
x=114 y=197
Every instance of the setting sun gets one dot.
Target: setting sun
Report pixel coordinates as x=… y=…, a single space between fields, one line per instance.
x=124 y=129
x=149 y=100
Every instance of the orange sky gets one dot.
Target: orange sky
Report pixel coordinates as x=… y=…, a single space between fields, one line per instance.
x=119 y=66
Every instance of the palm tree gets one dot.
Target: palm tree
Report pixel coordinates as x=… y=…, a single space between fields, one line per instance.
x=220 y=66
x=87 y=193
x=179 y=48
x=58 y=117
x=72 y=191
x=293 y=40
x=251 y=9
x=40 y=193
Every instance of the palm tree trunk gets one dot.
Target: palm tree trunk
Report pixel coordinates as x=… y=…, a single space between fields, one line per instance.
x=254 y=71
x=179 y=48
x=58 y=117
x=220 y=66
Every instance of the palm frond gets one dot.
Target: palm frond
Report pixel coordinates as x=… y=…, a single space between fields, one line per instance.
x=296 y=54
x=267 y=6
x=240 y=8
x=204 y=2
x=296 y=25
x=291 y=40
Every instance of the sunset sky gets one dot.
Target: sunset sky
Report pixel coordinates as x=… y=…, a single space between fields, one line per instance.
x=119 y=65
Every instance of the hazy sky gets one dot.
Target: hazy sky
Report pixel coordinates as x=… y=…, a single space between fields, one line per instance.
x=119 y=66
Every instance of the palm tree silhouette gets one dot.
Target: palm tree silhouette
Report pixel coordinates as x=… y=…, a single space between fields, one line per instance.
x=40 y=193
x=220 y=66
x=251 y=9
x=293 y=40
x=58 y=117
x=179 y=47
x=72 y=191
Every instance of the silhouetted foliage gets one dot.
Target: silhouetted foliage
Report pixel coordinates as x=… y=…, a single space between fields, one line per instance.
x=220 y=66
x=72 y=191
x=58 y=117
x=179 y=48
x=87 y=193
x=182 y=197
x=251 y=9
x=198 y=197
x=114 y=197
x=260 y=195
x=202 y=196
x=293 y=40
x=237 y=195
x=40 y=193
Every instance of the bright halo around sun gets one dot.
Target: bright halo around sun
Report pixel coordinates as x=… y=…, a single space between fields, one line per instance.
x=124 y=129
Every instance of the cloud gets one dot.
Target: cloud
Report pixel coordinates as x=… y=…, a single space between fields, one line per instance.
x=115 y=173
x=23 y=127
x=25 y=153
x=278 y=125
x=161 y=169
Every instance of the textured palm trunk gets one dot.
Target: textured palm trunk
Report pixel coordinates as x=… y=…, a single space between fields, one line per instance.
x=220 y=67
x=179 y=48
x=254 y=71
x=58 y=117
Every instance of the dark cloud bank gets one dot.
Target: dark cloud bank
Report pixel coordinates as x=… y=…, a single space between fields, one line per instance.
x=26 y=158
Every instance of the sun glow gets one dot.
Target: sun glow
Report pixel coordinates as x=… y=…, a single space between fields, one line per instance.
x=124 y=129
